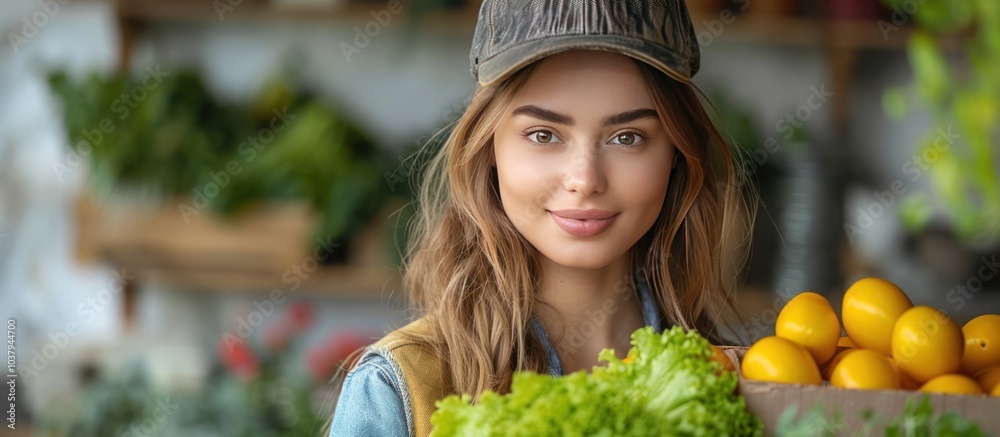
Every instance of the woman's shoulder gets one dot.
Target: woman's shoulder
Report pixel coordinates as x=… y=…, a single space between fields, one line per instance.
x=417 y=334
x=377 y=396
x=371 y=401
x=413 y=355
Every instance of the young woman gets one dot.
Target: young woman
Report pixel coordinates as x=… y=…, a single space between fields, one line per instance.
x=583 y=194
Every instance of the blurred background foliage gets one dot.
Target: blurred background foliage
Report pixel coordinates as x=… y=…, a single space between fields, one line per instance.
x=255 y=388
x=955 y=55
x=286 y=144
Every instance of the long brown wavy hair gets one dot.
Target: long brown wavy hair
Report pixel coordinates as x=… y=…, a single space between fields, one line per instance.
x=474 y=276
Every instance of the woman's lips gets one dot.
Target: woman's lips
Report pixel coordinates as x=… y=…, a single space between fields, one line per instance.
x=582 y=228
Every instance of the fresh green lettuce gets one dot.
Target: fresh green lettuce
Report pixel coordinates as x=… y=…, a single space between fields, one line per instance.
x=671 y=387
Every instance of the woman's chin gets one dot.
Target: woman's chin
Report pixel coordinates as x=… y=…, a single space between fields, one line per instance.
x=584 y=260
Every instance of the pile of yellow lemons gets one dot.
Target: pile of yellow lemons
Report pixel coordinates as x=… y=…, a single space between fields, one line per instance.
x=890 y=344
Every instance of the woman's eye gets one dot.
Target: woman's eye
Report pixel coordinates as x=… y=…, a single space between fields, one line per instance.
x=627 y=139
x=543 y=137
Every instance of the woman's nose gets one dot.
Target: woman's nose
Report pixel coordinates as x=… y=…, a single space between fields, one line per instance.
x=583 y=173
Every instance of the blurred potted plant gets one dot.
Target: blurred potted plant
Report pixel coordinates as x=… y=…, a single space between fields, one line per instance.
x=319 y=157
x=110 y=406
x=963 y=96
x=797 y=206
x=738 y=125
x=252 y=391
x=162 y=139
x=178 y=140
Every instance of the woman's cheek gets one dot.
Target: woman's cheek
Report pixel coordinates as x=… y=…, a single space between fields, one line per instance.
x=524 y=195
x=643 y=182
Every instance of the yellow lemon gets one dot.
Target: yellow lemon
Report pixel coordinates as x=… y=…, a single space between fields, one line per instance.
x=827 y=369
x=926 y=343
x=809 y=320
x=982 y=343
x=775 y=359
x=864 y=369
x=952 y=383
x=989 y=378
x=870 y=309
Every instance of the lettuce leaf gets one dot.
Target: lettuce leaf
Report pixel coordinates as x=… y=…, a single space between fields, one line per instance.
x=670 y=387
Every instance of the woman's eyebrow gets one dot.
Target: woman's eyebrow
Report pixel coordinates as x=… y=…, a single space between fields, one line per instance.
x=611 y=120
x=543 y=114
x=628 y=116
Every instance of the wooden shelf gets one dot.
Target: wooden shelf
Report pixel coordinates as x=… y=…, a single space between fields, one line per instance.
x=147 y=11
x=756 y=29
x=271 y=247
x=800 y=31
x=185 y=11
x=744 y=28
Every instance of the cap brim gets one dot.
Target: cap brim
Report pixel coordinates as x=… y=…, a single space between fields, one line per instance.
x=519 y=56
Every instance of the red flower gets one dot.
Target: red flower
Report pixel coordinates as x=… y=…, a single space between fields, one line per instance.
x=238 y=358
x=323 y=359
x=300 y=315
x=276 y=336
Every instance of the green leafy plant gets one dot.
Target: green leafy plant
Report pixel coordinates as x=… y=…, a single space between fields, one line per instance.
x=735 y=122
x=962 y=94
x=670 y=387
x=164 y=143
x=178 y=140
x=813 y=423
x=108 y=407
x=253 y=390
x=916 y=420
x=919 y=420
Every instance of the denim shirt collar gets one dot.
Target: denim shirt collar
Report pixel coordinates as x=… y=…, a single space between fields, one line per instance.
x=650 y=315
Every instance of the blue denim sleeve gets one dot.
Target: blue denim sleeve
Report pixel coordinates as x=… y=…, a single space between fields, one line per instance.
x=370 y=404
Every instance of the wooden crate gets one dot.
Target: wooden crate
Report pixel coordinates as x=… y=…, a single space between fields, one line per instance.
x=268 y=247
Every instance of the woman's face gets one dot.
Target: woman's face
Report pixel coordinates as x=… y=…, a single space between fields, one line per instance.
x=582 y=158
